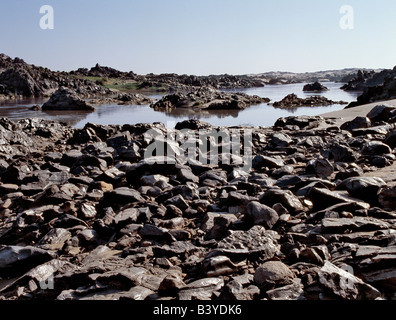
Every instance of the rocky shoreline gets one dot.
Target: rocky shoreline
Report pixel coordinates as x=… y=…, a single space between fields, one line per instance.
x=86 y=214
x=209 y=99
x=292 y=101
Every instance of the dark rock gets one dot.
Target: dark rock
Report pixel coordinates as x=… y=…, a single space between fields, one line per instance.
x=192 y=124
x=256 y=243
x=315 y=87
x=387 y=198
x=260 y=214
x=126 y=216
x=324 y=198
x=177 y=201
x=281 y=140
x=260 y=161
x=72 y=158
x=150 y=231
x=185 y=175
x=302 y=122
x=171 y=285
x=16 y=260
x=320 y=167
x=288 y=181
x=273 y=274
x=284 y=197
x=66 y=99
x=3 y=166
x=294 y=291
x=364 y=79
x=390 y=139
x=365 y=188
x=221 y=224
x=291 y=101
x=357 y=123
x=122 y=196
x=339 y=225
x=341 y=153
x=380 y=112
x=54 y=239
x=181 y=249
x=235 y=290
x=376 y=148
x=202 y=289
x=208 y=221
x=218 y=266
x=15 y=174
x=345 y=285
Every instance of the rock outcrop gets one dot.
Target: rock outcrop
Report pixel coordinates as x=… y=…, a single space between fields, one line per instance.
x=380 y=87
x=210 y=99
x=19 y=78
x=292 y=101
x=365 y=79
x=315 y=87
x=66 y=99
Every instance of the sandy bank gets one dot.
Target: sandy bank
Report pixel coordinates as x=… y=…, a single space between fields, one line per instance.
x=342 y=116
x=351 y=113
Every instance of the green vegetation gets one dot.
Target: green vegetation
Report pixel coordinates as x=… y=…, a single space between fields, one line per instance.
x=120 y=84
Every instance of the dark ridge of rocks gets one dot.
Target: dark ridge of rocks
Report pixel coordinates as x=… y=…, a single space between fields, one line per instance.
x=91 y=214
x=381 y=87
x=101 y=71
x=291 y=101
x=364 y=79
x=187 y=83
x=206 y=98
x=315 y=87
x=123 y=98
x=17 y=78
x=343 y=75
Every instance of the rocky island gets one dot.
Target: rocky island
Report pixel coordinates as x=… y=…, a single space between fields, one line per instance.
x=210 y=99
x=292 y=101
x=315 y=87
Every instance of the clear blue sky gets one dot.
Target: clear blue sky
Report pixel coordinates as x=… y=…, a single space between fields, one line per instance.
x=201 y=37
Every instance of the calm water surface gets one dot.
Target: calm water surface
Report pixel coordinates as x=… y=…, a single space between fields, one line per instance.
x=259 y=115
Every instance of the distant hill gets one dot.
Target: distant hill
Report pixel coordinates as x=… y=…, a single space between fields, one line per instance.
x=343 y=75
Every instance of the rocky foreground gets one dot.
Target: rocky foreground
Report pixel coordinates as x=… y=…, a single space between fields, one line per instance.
x=85 y=215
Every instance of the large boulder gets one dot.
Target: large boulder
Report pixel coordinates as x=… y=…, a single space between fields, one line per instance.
x=380 y=112
x=260 y=214
x=345 y=285
x=365 y=188
x=66 y=99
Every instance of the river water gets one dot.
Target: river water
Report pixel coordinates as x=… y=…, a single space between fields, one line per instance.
x=258 y=115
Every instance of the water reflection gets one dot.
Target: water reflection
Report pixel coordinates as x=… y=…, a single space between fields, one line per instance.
x=257 y=115
x=201 y=113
